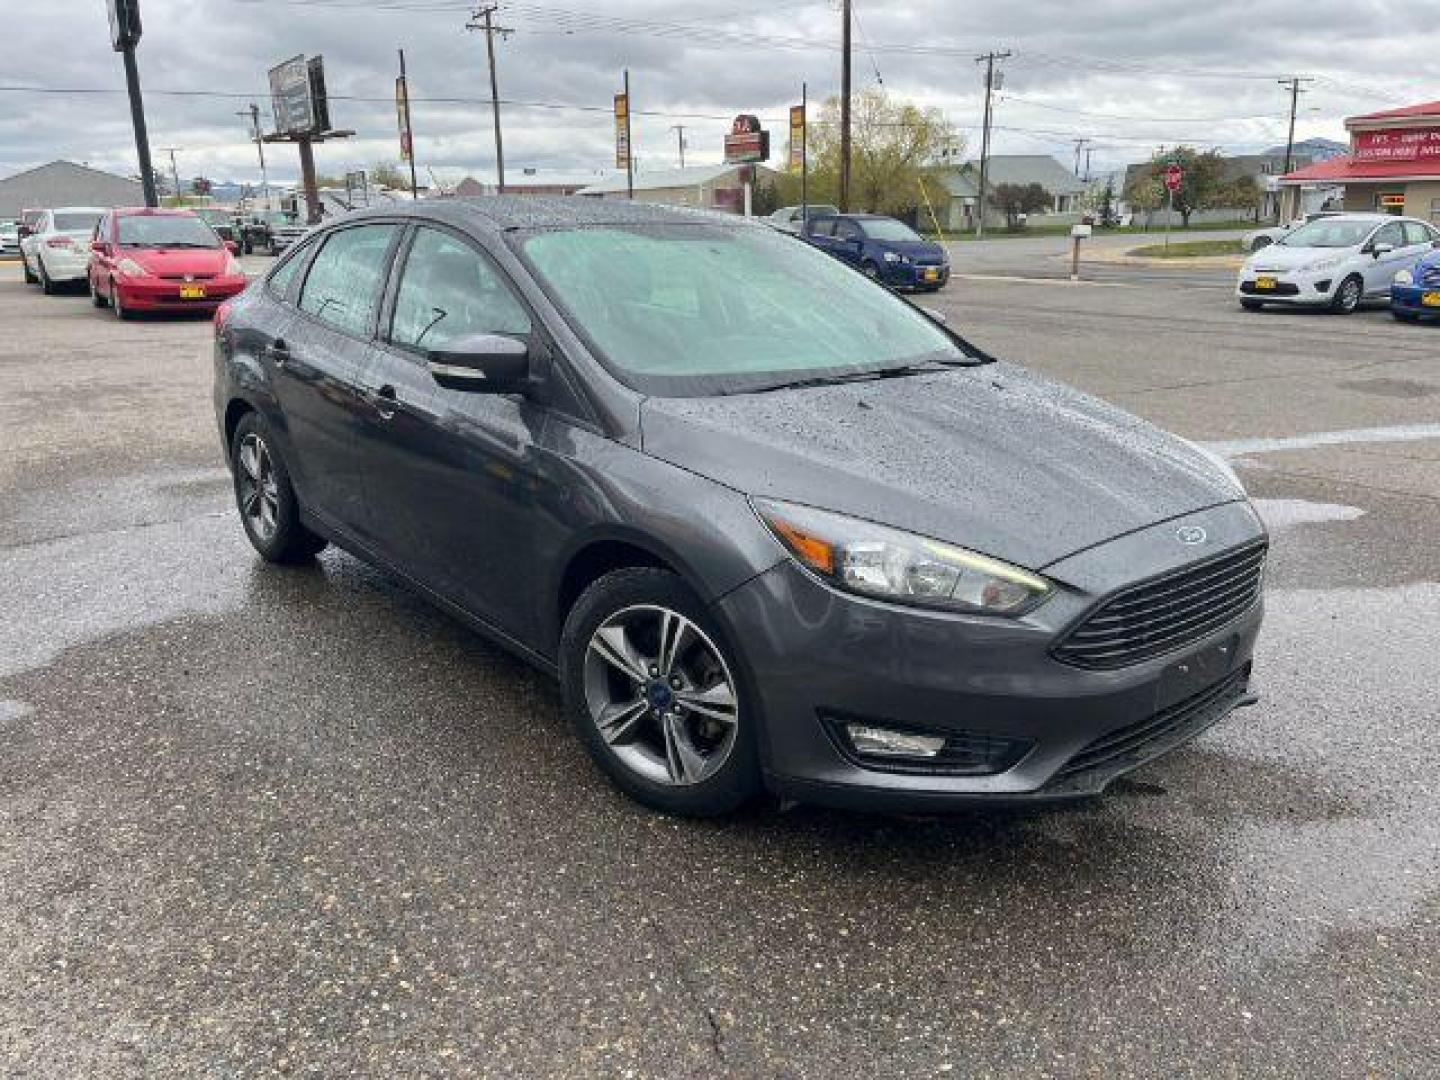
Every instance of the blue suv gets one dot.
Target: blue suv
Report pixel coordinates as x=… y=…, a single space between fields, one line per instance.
x=1416 y=292
x=886 y=250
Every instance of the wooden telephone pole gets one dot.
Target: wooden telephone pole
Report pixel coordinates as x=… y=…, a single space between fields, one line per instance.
x=487 y=14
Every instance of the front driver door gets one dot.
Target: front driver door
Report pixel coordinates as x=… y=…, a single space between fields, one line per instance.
x=453 y=477
x=1380 y=270
x=316 y=356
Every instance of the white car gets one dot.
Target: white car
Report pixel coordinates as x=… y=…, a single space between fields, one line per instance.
x=57 y=250
x=9 y=238
x=1259 y=238
x=1338 y=262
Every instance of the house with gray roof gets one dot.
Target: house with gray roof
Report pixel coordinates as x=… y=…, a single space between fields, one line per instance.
x=956 y=201
x=709 y=187
x=64 y=183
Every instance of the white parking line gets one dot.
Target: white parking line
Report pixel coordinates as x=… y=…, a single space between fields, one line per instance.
x=1041 y=281
x=1402 y=433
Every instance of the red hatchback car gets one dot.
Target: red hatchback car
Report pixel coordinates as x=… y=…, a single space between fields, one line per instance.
x=161 y=260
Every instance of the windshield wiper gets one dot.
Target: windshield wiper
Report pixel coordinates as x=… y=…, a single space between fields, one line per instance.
x=863 y=376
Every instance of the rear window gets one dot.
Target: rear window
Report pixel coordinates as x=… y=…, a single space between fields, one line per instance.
x=76 y=222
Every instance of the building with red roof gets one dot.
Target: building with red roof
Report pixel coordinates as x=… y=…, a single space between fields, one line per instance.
x=1393 y=165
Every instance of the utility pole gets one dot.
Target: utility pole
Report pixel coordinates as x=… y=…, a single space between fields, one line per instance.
x=410 y=131
x=1079 y=149
x=124 y=36
x=988 y=59
x=629 y=142
x=253 y=113
x=679 y=130
x=487 y=13
x=845 y=109
x=174 y=170
x=1293 y=85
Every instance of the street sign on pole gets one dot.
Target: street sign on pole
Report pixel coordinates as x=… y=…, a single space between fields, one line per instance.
x=1174 y=177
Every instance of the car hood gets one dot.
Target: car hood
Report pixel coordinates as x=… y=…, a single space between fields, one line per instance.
x=993 y=457
x=1281 y=257
x=162 y=261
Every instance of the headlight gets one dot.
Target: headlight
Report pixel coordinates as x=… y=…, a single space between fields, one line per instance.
x=130 y=268
x=1405 y=277
x=892 y=257
x=1330 y=262
x=872 y=560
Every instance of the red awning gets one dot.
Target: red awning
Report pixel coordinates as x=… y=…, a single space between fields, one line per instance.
x=1341 y=170
x=1429 y=108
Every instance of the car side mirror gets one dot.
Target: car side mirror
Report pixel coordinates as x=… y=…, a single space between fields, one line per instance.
x=232 y=247
x=1381 y=249
x=97 y=246
x=481 y=363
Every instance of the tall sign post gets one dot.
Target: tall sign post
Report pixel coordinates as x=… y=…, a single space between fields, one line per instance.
x=624 y=159
x=1174 y=177
x=798 y=156
x=124 y=36
x=302 y=116
x=402 y=116
x=747 y=144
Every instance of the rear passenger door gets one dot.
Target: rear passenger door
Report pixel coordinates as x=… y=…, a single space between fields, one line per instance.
x=316 y=362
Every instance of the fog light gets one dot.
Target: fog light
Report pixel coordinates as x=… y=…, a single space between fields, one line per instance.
x=884 y=742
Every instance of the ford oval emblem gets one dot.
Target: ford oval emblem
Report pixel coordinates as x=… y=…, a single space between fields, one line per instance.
x=1190 y=534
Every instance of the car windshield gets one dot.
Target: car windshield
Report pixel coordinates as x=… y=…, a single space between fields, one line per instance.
x=76 y=222
x=166 y=230
x=1329 y=233
x=888 y=229
x=692 y=309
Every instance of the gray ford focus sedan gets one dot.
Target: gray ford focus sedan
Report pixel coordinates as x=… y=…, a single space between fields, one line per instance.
x=771 y=526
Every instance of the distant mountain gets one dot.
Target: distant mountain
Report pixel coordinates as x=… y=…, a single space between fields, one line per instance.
x=1315 y=149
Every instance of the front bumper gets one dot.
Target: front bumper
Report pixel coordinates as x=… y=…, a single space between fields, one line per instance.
x=914 y=275
x=1410 y=299
x=818 y=657
x=158 y=294
x=1289 y=286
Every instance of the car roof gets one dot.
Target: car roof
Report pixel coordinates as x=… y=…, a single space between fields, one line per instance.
x=71 y=210
x=503 y=213
x=153 y=211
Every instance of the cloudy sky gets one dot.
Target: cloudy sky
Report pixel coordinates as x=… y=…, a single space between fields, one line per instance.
x=1129 y=75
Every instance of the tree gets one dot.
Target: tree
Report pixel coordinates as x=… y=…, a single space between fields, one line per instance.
x=387 y=174
x=1013 y=200
x=1203 y=187
x=892 y=143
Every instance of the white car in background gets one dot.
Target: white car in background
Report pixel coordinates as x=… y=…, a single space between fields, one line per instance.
x=9 y=238
x=1259 y=238
x=57 y=250
x=1338 y=261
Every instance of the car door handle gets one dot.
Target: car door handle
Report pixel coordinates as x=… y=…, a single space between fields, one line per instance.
x=279 y=352
x=383 y=400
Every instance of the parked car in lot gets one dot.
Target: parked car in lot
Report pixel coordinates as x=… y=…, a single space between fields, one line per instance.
x=882 y=248
x=221 y=220
x=9 y=238
x=769 y=524
x=1339 y=262
x=791 y=219
x=1415 y=293
x=160 y=260
x=55 y=251
x=269 y=230
x=1259 y=238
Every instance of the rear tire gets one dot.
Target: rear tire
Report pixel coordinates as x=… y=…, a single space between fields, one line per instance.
x=269 y=511
x=96 y=297
x=1348 y=295
x=30 y=278
x=46 y=285
x=695 y=752
x=1252 y=305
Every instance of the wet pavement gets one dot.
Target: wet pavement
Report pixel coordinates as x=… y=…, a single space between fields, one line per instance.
x=256 y=820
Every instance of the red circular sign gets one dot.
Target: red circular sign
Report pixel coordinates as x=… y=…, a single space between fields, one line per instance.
x=1173 y=177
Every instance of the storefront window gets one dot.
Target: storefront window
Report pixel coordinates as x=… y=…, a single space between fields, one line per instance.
x=1435 y=211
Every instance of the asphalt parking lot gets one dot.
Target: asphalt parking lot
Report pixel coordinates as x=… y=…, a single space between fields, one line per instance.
x=256 y=820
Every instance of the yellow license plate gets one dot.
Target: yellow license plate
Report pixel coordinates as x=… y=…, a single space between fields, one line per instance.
x=192 y=292
x=1265 y=283
x=932 y=275
x=1430 y=299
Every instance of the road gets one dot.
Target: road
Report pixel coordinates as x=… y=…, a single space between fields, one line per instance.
x=257 y=820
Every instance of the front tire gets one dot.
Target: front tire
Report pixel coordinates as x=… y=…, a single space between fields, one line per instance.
x=117 y=304
x=654 y=690
x=265 y=498
x=1348 y=295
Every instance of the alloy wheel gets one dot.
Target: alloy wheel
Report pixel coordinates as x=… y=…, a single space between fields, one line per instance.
x=1349 y=295
x=259 y=492
x=661 y=694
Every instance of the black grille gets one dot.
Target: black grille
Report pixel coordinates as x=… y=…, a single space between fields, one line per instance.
x=1430 y=276
x=1136 y=743
x=1282 y=288
x=1166 y=613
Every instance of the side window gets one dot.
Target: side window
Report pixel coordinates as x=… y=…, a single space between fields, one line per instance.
x=847 y=230
x=1392 y=234
x=280 y=278
x=1416 y=233
x=102 y=228
x=823 y=227
x=448 y=290
x=347 y=279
